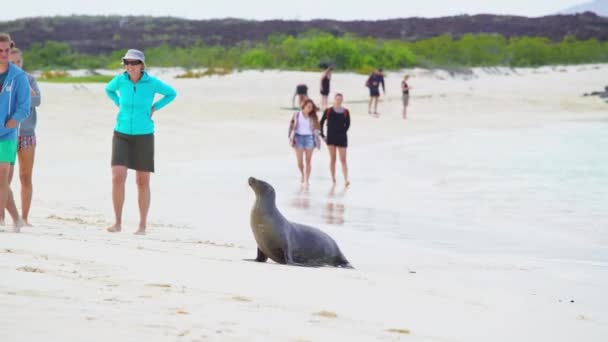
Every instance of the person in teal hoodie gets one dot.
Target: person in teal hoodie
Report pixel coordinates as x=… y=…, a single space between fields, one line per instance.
x=133 y=142
x=15 y=100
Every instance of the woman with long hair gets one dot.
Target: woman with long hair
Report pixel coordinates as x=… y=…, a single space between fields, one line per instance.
x=304 y=137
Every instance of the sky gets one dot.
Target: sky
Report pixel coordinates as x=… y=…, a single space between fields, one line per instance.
x=284 y=9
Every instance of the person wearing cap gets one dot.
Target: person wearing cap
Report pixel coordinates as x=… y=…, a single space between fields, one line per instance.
x=133 y=142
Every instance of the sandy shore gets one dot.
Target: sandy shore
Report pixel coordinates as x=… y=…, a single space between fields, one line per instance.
x=480 y=218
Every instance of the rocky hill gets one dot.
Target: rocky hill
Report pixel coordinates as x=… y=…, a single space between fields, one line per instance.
x=103 y=34
x=599 y=7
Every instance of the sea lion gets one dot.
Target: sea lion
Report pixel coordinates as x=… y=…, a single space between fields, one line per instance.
x=286 y=242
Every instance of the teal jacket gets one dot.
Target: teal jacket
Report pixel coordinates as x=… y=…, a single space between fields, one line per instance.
x=136 y=101
x=15 y=100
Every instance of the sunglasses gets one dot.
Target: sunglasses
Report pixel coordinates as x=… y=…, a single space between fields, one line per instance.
x=125 y=62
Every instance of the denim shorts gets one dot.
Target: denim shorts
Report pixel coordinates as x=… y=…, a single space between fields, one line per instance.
x=306 y=142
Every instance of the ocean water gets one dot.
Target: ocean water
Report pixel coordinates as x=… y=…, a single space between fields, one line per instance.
x=539 y=192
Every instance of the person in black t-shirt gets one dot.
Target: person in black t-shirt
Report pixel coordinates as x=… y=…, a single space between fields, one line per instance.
x=338 y=123
x=373 y=83
x=405 y=97
x=325 y=80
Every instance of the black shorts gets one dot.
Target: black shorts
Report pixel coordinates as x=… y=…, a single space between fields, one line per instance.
x=136 y=152
x=339 y=140
x=374 y=92
x=324 y=92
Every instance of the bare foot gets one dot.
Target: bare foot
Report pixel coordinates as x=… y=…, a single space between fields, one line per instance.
x=115 y=229
x=17 y=226
x=26 y=223
x=140 y=231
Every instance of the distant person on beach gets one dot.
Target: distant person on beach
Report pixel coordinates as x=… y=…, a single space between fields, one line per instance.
x=301 y=93
x=373 y=83
x=26 y=148
x=325 y=85
x=338 y=123
x=405 y=97
x=304 y=137
x=133 y=142
x=15 y=101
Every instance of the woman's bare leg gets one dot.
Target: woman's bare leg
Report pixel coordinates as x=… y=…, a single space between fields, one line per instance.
x=376 y=106
x=323 y=102
x=26 y=166
x=119 y=177
x=342 y=152
x=332 y=162
x=300 y=158
x=143 y=199
x=308 y=165
x=10 y=204
x=5 y=170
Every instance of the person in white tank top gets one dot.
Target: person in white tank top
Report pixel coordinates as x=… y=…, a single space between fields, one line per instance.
x=304 y=137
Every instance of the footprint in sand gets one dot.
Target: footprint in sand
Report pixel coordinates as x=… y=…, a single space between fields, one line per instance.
x=67 y=219
x=399 y=331
x=164 y=286
x=30 y=269
x=326 y=314
x=241 y=299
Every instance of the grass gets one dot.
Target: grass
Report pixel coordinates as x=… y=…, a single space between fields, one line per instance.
x=77 y=79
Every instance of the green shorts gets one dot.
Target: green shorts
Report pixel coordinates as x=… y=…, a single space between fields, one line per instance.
x=8 y=151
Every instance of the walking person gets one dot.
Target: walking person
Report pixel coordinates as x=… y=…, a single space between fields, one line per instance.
x=325 y=86
x=133 y=142
x=338 y=123
x=301 y=93
x=26 y=148
x=304 y=138
x=373 y=83
x=15 y=100
x=405 y=97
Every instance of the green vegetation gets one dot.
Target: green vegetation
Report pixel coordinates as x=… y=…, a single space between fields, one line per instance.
x=53 y=76
x=349 y=52
x=206 y=73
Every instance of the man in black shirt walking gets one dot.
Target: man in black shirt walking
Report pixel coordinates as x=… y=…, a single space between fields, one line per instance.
x=373 y=83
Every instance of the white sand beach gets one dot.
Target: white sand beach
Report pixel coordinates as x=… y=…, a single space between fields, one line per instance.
x=480 y=218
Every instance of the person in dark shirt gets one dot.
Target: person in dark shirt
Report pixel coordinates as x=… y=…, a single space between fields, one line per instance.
x=325 y=81
x=373 y=83
x=301 y=93
x=405 y=97
x=338 y=123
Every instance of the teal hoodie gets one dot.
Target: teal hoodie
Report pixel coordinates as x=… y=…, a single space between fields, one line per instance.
x=136 y=101
x=15 y=101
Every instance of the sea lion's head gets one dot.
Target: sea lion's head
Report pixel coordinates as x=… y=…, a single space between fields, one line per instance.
x=263 y=190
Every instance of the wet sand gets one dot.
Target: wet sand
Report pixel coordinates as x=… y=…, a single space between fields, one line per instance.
x=480 y=218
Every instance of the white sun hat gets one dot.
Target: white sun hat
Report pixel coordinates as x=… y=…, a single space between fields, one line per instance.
x=134 y=54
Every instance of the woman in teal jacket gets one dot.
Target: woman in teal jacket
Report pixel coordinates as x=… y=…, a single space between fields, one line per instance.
x=133 y=143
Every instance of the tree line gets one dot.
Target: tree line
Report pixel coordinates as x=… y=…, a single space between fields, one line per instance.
x=313 y=49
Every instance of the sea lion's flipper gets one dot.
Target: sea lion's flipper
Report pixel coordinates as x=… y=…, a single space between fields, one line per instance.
x=261 y=256
x=302 y=265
